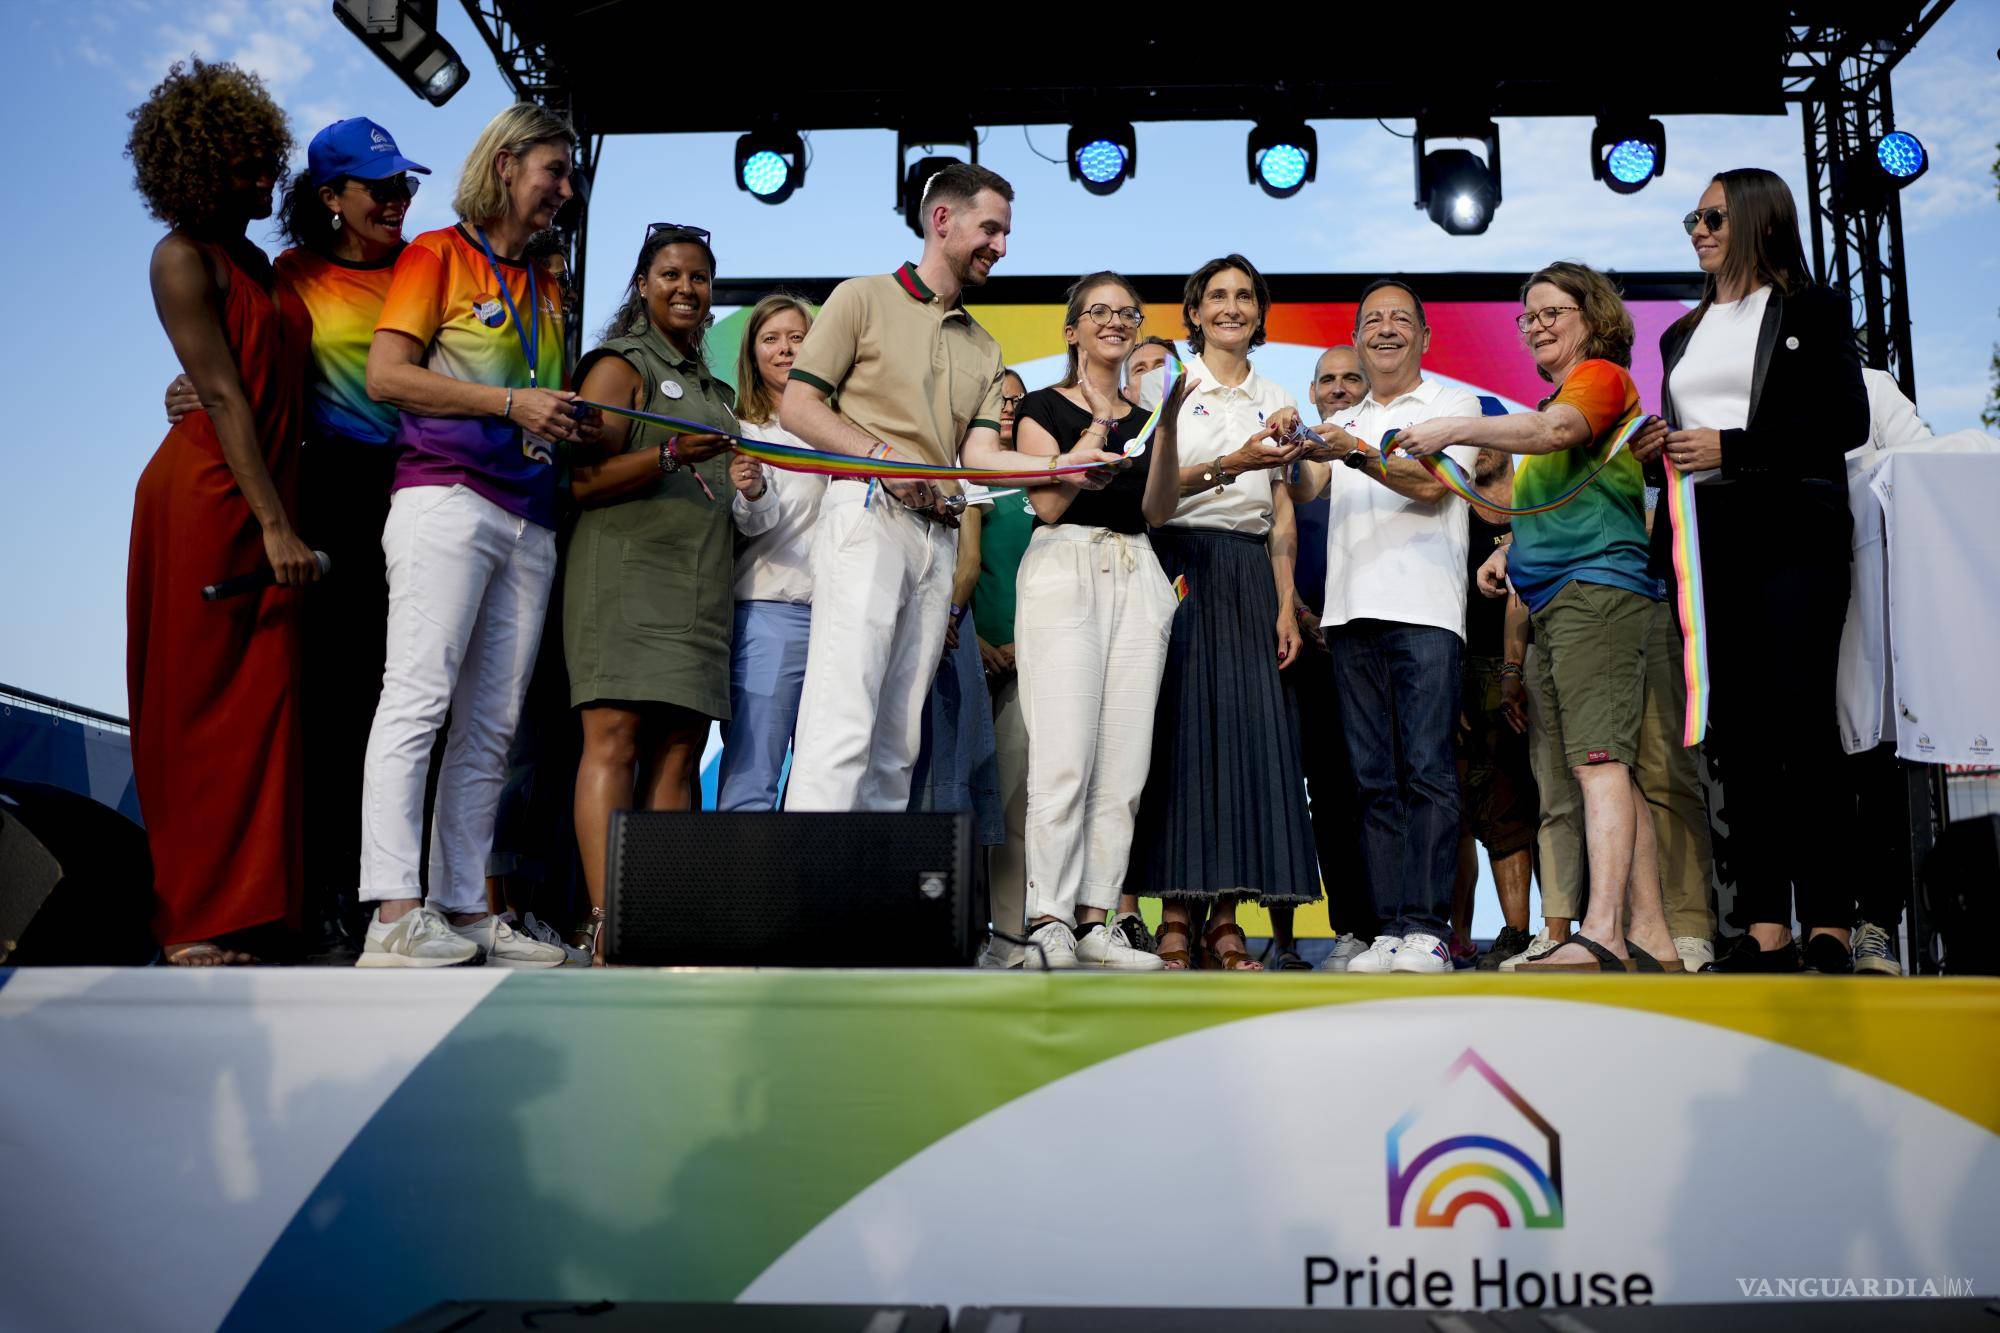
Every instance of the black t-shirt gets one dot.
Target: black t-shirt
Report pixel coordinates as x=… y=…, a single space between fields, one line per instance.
x=1119 y=506
x=1485 y=617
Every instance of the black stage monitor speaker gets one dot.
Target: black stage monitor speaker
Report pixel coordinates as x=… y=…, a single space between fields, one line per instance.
x=791 y=890
x=665 y=1317
x=76 y=880
x=1962 y=894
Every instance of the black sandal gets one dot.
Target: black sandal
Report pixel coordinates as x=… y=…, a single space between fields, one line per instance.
x=1604 y=959
x=1645 y=962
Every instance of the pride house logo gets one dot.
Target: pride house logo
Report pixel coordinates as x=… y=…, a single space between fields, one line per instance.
x=1474 y=1144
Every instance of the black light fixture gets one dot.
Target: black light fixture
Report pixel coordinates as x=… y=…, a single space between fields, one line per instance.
x=1457 y=189
x=1882 y=167
x=1627 y=154
x=770 y=164
x=913 y=176
x=404 y=35
x=1283 y=156
x=1102 y=156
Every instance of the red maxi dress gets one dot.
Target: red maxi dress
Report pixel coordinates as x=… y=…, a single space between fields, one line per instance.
x=214 y=685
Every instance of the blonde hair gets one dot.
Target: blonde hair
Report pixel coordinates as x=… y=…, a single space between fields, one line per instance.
x=753 y=400
x=481 y=198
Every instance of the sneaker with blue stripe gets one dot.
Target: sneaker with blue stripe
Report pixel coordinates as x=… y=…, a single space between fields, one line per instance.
x=1422 y=953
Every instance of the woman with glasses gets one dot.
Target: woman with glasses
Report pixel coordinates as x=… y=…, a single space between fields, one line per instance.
x=773 y=569
x=213 y=685
x=1581 y=568
x=344 y=216
x=1763 y=384
x=1090 y=631
x=469 y=350
x=648 y=599
x=1224 y=815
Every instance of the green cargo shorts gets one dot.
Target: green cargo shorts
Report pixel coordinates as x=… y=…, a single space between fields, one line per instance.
x=1595 y=639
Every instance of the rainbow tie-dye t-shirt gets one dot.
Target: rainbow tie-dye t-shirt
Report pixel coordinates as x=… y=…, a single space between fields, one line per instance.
x=1600 y=536
x=444 y=296
x=345 y=300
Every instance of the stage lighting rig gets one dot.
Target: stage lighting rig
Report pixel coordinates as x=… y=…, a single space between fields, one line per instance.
x=403 y=34
x=770 y=164
x=912 y=177
x=1459 y=191
x=1283 y=156
x=1627 y=155
x=1882 y=167
x=1101 y=157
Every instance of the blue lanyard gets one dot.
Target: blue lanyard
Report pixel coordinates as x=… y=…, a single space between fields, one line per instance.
x=530 y=337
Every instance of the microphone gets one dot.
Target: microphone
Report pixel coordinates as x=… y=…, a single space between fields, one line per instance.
x=256 y=580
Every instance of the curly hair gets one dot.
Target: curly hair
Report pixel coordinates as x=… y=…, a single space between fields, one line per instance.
x=200 y=125
x=1604 y=314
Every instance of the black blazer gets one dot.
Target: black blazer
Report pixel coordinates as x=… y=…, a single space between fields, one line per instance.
x=1808 y=407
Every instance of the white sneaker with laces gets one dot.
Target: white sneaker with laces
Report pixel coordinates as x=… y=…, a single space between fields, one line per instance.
x=506 y=947
x=1420 y=952
x=418 y=938
x=545 y=933
x=1108 y=947
x=1875 y=951
x=1058 y=948
x=1696 y=953
x=1539 y=947
x=1346 y=948
x=1378 y=957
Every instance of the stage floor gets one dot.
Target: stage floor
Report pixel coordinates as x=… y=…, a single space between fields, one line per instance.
x=334 y=1148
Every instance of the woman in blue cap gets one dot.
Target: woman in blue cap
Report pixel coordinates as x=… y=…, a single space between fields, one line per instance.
x=344 y=218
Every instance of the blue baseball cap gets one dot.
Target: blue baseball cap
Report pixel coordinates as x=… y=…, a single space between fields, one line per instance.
x=356 y=147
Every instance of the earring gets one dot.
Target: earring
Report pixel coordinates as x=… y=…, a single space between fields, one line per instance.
x=336 y=221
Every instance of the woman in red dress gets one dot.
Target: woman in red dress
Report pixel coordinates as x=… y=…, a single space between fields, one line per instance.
x=214 y=685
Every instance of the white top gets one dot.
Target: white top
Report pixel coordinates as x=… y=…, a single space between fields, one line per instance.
x=1215 y=420
x=1389 y=557
x=775 y=565
x=1711 y=383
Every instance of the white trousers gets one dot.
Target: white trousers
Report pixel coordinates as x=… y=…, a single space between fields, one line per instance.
x=468 y=589
x=881 y=598
x=1093 y=612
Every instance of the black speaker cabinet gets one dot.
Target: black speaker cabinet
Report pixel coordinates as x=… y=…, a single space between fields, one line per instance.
x=770 y=889
x=76 y=881
x=1962 y=894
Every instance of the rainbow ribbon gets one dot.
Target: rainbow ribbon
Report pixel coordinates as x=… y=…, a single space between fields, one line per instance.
x=1688 y=601
x=1452 y=477
x=1170 y=375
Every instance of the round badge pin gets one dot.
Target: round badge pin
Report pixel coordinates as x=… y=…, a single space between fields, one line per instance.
x=671 y=389
x=1792 y=344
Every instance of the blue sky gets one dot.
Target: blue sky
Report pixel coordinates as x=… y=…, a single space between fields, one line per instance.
x=90 y=360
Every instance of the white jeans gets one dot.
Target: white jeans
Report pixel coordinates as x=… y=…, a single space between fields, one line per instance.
x=1092 y=616
x=881 y=598
x=468 y=588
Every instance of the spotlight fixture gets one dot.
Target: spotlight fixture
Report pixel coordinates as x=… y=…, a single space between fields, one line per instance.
x=1102 y=157
x=1459 y=191
x=1879 y=169
x=1627 y=155
x=403 y=34
x=770 y=164
x=913 y=176
x=1901 y=158
x=1282 y=157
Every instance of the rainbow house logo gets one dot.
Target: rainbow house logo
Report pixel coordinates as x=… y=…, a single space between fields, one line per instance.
x=1474 y=1144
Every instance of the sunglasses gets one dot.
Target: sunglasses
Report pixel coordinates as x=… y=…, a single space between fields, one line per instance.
x=1712 y=218
x=702 y=232
x=390 y=189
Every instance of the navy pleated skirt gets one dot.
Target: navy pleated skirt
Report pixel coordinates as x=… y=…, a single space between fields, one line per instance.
x=1224 y=813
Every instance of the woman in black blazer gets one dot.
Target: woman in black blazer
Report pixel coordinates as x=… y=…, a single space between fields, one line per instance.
x=1763 y=385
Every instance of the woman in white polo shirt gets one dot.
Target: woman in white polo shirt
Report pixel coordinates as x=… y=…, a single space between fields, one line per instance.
x=1224 y=813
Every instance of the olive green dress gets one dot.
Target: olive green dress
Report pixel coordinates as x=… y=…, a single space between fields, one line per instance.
x=648 y=600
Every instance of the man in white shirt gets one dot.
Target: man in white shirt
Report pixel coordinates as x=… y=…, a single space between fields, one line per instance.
x=1395 y=620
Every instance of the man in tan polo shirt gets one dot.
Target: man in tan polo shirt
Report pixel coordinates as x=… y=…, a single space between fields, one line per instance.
x=914 y=379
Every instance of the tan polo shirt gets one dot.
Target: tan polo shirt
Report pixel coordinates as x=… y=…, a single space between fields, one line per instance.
x=903 y=367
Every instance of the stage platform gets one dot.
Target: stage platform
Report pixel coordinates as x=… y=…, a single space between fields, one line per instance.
x=312 y=1148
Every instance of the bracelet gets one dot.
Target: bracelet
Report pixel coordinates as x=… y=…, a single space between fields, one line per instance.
x=1105 y=422
x=670 y=459
x=508 y=410
x=1510 y=669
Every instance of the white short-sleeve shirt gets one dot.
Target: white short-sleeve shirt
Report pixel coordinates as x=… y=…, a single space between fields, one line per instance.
x=1389 y=557
x=1215 y=420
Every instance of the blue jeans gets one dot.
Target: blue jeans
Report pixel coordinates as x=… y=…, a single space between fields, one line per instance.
x=1398 y=687
x=767 y=671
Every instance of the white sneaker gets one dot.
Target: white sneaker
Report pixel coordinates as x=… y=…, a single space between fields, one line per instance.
x=1378 y=957
x=1058 y=948
x=1695 y=952
x=506 y=947
x=1001 y=955
x=1108 y=947
x=1539 y=947
x=1422 y=953
x=544 y=933
x=418 y=938
x=1346 y=948
x=1875 y=951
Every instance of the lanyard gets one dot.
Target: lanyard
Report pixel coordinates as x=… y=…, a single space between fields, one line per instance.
x=530 y=338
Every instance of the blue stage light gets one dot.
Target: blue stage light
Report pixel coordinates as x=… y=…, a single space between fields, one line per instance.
x=1632 y=161
x=1100 y=161
x=765 y=173
x=770 y=164
x=1282 y=156
x=1626 y=154
x=1283 y=166
x=1901 y=156
x=1103 y=155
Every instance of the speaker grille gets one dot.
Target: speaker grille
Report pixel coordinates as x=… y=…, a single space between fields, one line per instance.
x=792 y=890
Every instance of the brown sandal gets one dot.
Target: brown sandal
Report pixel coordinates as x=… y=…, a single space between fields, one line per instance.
x=1177 y=960
x=1235 y=959
x=206 y=953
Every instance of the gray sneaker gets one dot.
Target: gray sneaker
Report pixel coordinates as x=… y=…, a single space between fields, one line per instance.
x=1346 y=948
x=418 y=938
x=505 y=946
x=542 y=932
